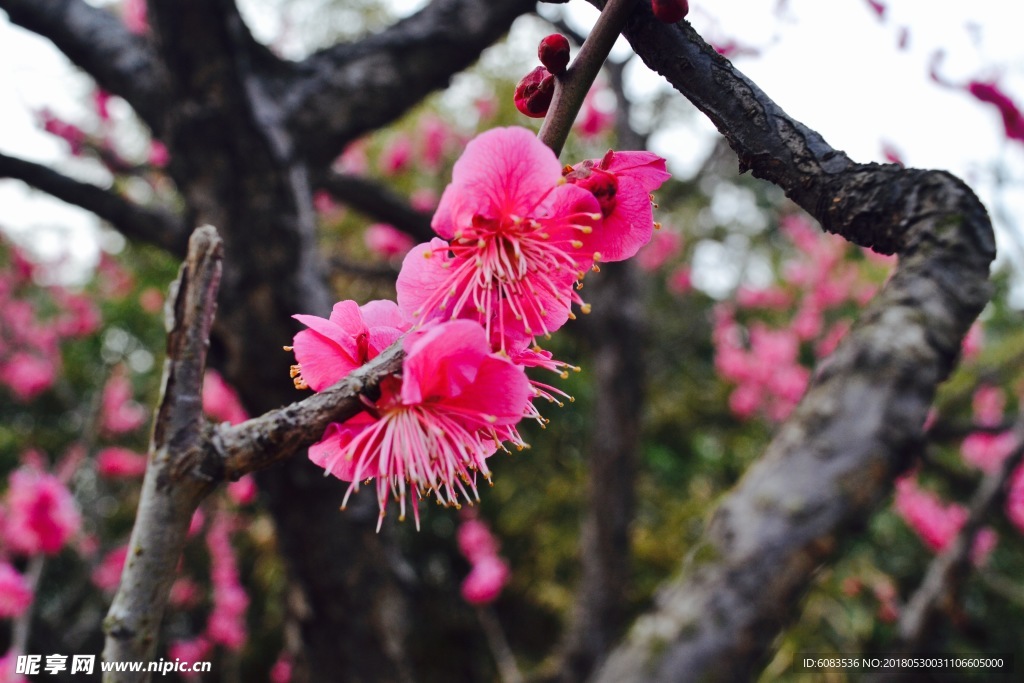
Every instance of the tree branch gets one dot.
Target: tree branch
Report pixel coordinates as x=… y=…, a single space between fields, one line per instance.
x=349 y=89
x=154 y=226
x=947 y=571
x=835 y=458
x=96 y=41
x=571 y=88
x=172 y=487
x=376 y=200
x=231 y=451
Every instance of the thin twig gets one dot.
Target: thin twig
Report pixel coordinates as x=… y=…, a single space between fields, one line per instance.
x=571 y=87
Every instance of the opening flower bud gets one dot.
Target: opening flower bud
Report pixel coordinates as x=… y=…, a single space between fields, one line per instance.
x=554 y=53
x=670 y=11
x=534 y=92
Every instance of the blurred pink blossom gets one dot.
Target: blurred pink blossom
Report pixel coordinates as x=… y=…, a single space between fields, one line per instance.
x=396 y=156
x=679 y=280
x=41 y=513
x=27 y=375
x=424 y=199
x=15 y=592
x=593 y=119
x=220 y=400
x=485 y=581
x=107 y=575
x=119 y=413
x=133 y=14
x=664 y=245
x=159 y=155
x=936 y=523
x=226 y=622
x=243 y=491
x=387 y=241
x=114 y=462
x=281 y=672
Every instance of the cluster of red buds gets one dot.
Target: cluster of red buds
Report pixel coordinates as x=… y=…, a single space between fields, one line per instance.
x=534 y=92
x=670 y=11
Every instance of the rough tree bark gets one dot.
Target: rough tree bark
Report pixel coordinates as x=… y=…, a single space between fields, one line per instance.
x=833 y=461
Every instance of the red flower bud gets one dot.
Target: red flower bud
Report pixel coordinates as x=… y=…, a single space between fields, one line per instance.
x=670 y=11
x=534 y=92
x=554 y=53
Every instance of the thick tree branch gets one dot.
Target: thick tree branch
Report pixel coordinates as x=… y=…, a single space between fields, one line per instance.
x=96 y=40
x=172 y=487
x=376 y=200
x=835 y=459
x=350 y=89
x=153 y=226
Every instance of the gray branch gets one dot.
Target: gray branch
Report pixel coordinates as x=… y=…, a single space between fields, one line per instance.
x=98 y=42
x=347 y=90
x=172 y=487
x=153 y=226
x=376 y=200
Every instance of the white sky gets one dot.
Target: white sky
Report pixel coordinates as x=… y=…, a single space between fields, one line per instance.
x=831 y=64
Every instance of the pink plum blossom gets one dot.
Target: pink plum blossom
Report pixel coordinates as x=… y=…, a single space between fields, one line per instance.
x=27 y=375
x=226 y=623
x=973 y=342
x=243 y=491
x=190 y=651
x=989 y=404
x=114 y=462
x=331 y=348
x=397 y=155
x=119 y=413
x=15 y=592
x=435 y=137
x=663 y=245
x=1015 y=499
x=41 y=512
x=159 y=155
x=515 y=234
x=220 y=400
x=680 y=280
x=991 y=93
x=771 y=298
x=936 y=523
x=424 y=199
x=101 y=101
x=281 y=672
x=107 y=575
x=151 y=299
x=622 y=183
x=475 y=540
x=986 y=451
x=431 y=431
x=485 y=581
x=184 y=592
x=133 y=14
x=387 y=241
x=593 y=120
